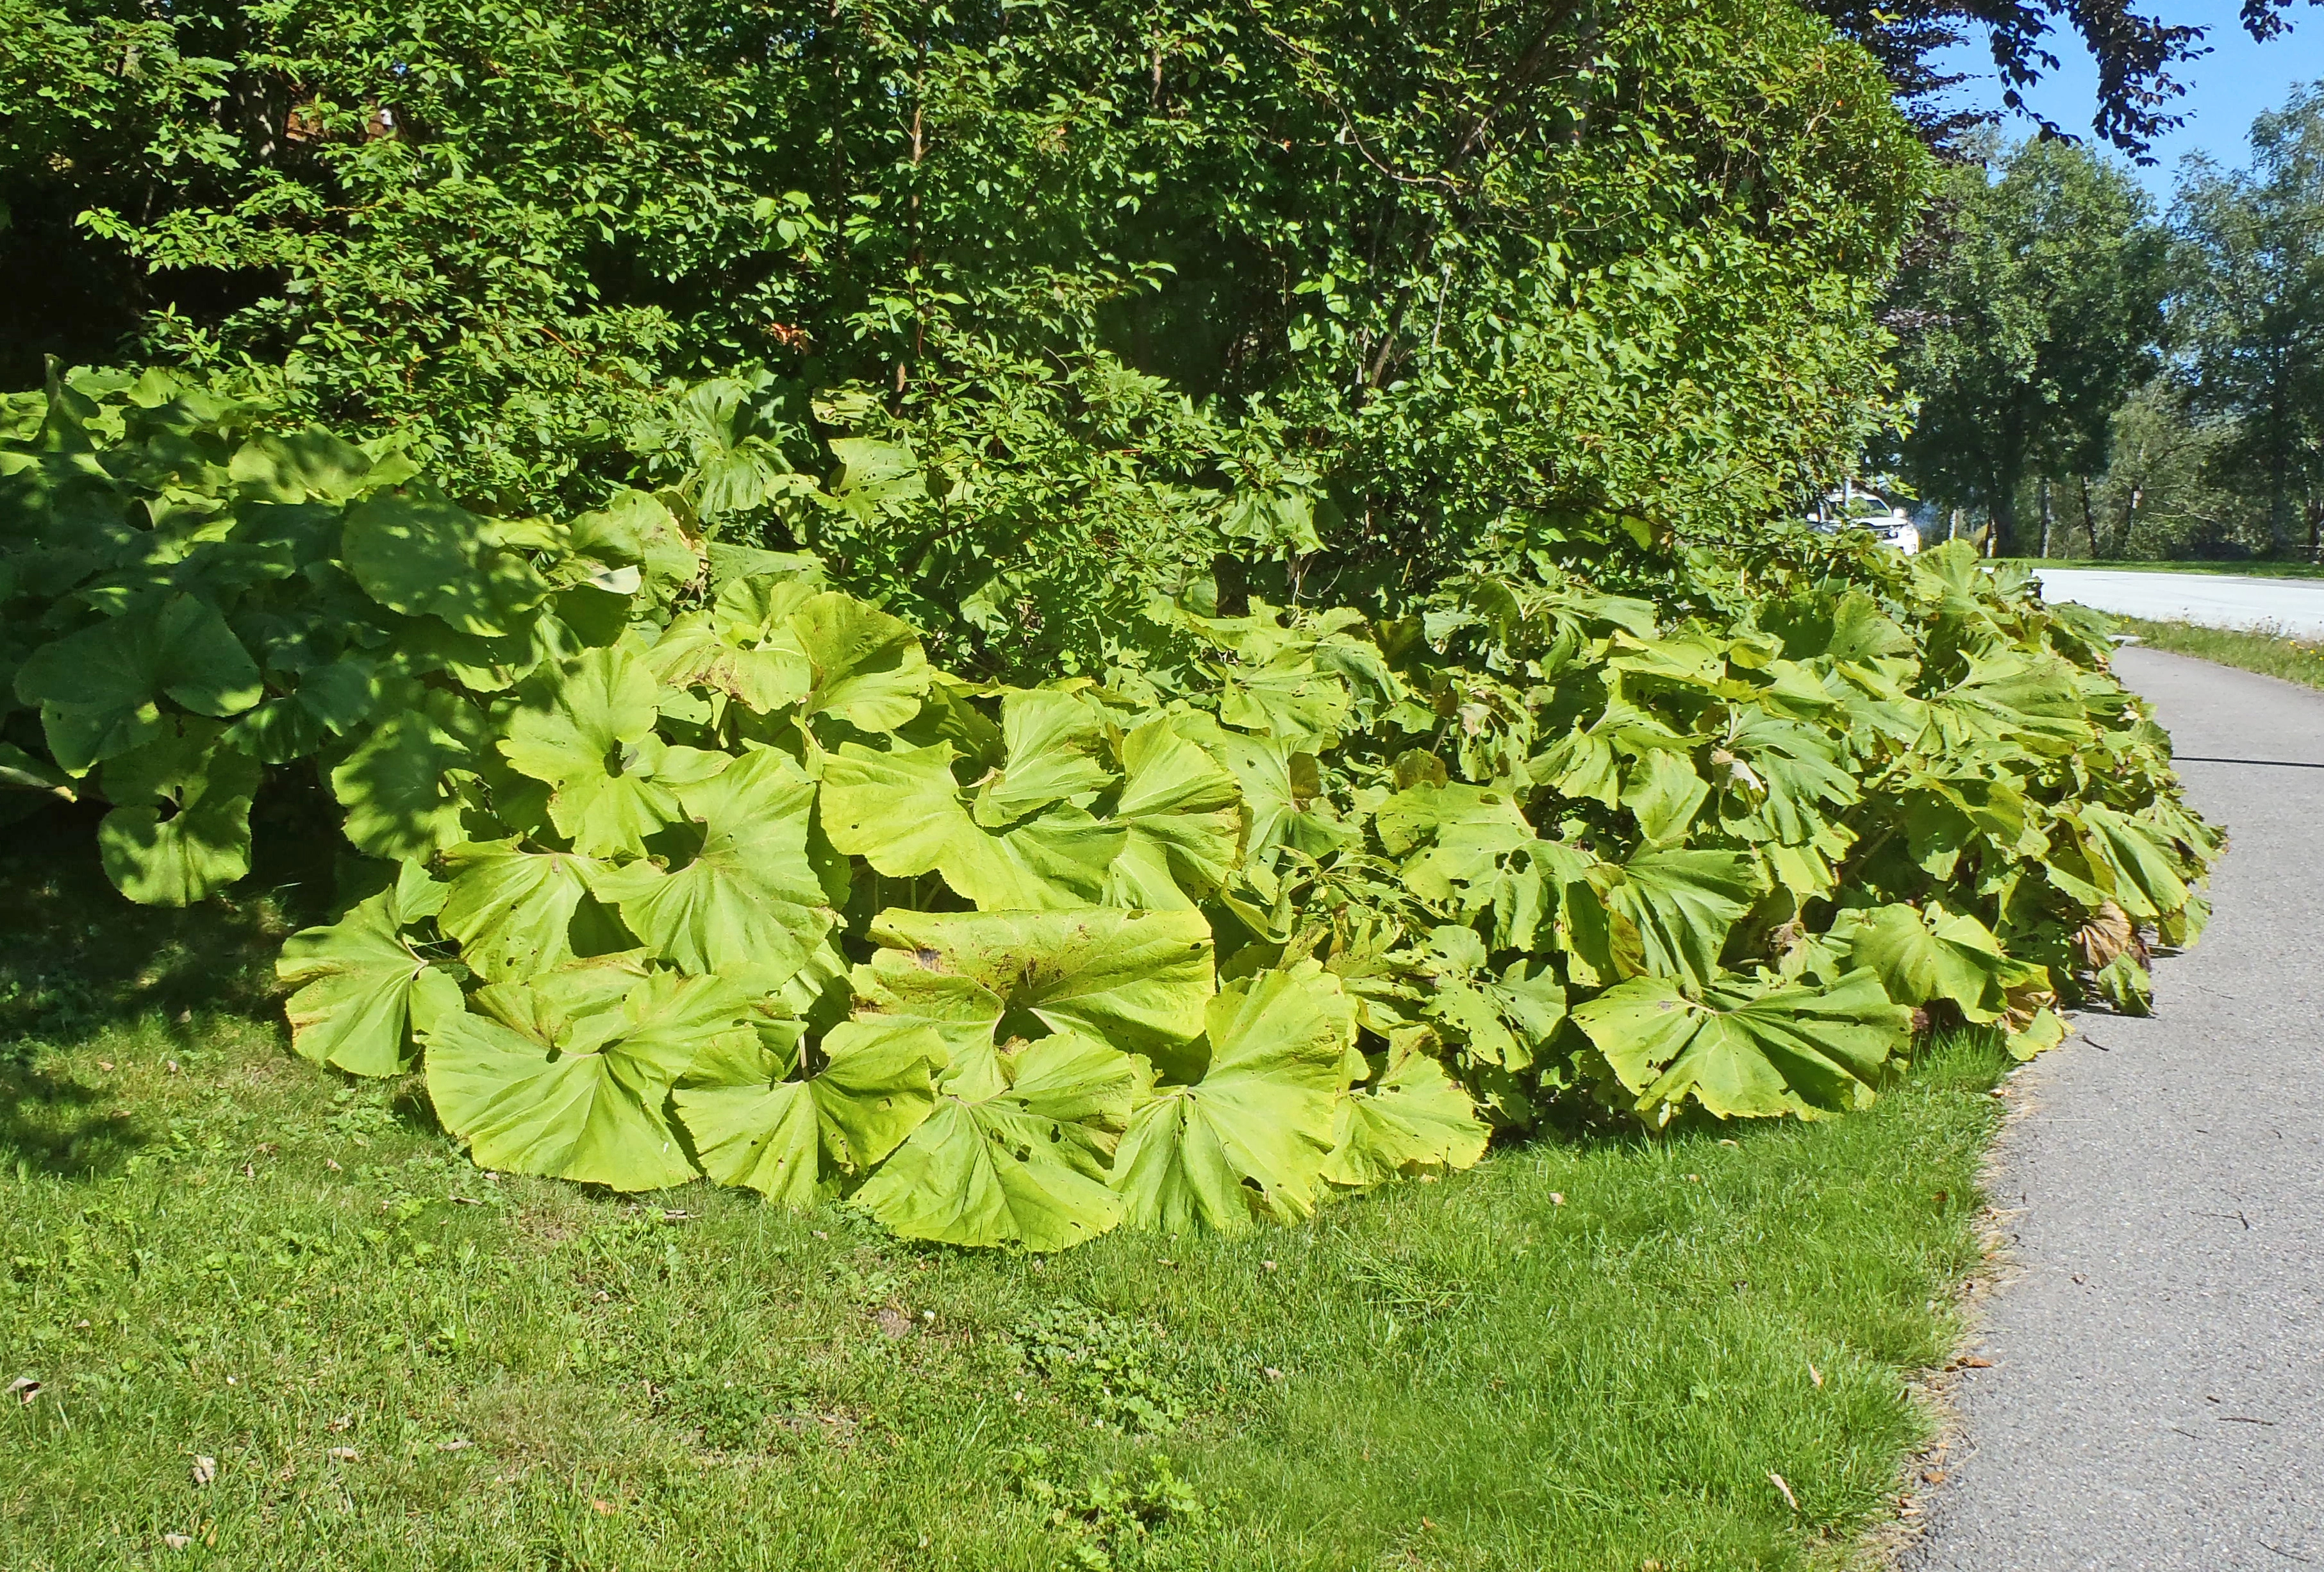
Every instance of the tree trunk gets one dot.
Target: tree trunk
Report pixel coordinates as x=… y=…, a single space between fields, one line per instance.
x=2002 y=541
x=2042 y=488
x=2089 y=519
x=2121 y=535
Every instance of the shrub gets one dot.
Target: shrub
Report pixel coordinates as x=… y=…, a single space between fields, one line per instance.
x=677 y=861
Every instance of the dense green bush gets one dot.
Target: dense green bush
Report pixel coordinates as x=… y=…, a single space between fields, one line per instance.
x=675 y=860
x=1338 y=290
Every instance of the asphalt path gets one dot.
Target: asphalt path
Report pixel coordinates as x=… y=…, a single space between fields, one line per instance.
x=2213 y=600
x=2155 y=1399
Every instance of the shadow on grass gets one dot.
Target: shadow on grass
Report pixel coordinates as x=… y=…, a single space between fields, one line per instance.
x=76 y=955
x=78 y=959
x=57 y=1126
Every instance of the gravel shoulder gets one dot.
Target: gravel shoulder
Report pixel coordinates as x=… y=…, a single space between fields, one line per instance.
x=2155 y=1396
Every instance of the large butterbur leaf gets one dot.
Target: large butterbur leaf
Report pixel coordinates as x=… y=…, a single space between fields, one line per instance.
x=1138 y=981
x=361 y=982
x=750 y=904
x=179 y=830
x=394 y=785
x=636 y=528
x=1411 y=1118
x=1249 y=1137
x=1051 y=742
x=100 y=690
x=1664 y=792
x=586 y=727
x=743 y=646
x=1506 y=1019
x=1021 y=1162
x=914 y=989
x=902 y=810
x=1453 y=837
x=898 y=809
x=2134 y=861
x=567 y=1074
x=1304 y=707
x=757 y=1120
x=1747 y=1050
x=751 y=1124
x=330 y=698
x=1181 y=818
x=514 y=912
x=1281 y=786
x=425 y=556
x=1778 y=780
x=1669 y=911
x=868 y=666
x=1923 y=955
x=2024 y=700
x=294 y=466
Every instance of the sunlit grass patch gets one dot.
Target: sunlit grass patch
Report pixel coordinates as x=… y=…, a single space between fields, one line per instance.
x=2264 y=650
x=1580 y=1354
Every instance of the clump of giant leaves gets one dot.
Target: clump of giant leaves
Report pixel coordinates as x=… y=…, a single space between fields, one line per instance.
x=674 y=861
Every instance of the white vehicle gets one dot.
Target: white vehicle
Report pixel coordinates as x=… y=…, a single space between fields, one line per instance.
x=1851 y=508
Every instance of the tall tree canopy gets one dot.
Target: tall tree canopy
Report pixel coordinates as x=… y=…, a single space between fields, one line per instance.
x=2250 y=308
x=2032 y=311
x=2136 y=55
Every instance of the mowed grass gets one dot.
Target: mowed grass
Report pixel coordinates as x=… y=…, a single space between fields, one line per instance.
x=2298 y=661
x=2245 y=569
x=1584 y=1354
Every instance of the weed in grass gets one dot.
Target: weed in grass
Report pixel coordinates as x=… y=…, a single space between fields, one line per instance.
x=1120 y=1518
x=1125 y=1374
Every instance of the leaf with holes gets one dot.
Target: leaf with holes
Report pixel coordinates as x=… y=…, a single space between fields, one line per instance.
x=1412 y=1117
x=513 y=911
x=1454 y=839
x=1138 y=981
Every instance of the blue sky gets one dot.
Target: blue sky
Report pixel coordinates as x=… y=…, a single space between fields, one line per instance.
x=2226 y=89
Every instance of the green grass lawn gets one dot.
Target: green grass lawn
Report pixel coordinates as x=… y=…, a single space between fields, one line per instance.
x=1585 y=1355
x=2241 y=569
x=2293 y=660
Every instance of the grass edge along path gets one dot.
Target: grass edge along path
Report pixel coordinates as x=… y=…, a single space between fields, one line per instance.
x=2245 y=569
x=2269 y=654
x=277 y=1322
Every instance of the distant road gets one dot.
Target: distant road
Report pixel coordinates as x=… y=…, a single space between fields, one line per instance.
x=2218 y=600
